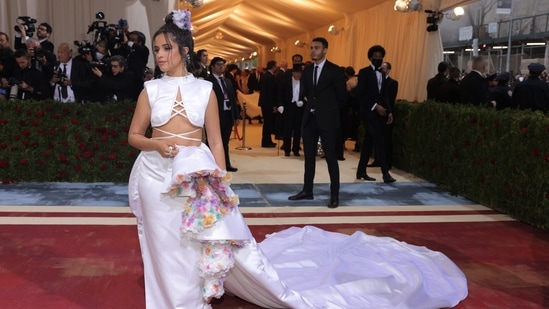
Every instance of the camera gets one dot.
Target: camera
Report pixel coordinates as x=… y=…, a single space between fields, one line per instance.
x=26 y=22
x=57 y=71
x=84 y=47
x=39 y=52
x=99 y=64
x=14 y=87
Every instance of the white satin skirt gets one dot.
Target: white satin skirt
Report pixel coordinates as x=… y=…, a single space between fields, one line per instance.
x=295 y=268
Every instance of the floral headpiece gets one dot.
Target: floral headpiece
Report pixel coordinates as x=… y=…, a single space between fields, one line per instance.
x=182 y=19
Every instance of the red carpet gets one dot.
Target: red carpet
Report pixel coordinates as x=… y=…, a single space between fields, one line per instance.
x=91 y=266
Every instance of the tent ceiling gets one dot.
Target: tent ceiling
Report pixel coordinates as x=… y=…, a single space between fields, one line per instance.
x=249 y=24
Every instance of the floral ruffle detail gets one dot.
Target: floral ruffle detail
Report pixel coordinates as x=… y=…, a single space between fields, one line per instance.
x=217 y=259
x=210 y=197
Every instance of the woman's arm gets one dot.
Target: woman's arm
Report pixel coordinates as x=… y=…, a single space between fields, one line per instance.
x=140 y=123
x=213 y=131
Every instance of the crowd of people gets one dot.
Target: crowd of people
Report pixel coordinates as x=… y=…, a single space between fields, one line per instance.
x=497 y=90
x=109 y=69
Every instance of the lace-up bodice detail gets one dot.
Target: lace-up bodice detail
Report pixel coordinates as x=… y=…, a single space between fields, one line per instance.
x=162 y=94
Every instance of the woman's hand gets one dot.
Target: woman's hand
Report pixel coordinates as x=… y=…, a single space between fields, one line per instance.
x=167 y=150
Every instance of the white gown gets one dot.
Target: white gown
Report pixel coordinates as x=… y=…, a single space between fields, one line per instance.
x=195 y=243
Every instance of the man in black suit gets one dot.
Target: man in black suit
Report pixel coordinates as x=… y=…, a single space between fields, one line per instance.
x=268 y=98
x=392 y=91
x=474 y=86
x=226 y=100
x=324 y=87
x=375 y=113
x=434 y=83
x=291 y=108
x=532 y=93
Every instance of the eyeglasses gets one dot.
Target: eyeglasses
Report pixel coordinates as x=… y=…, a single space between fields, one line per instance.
x=42 y=29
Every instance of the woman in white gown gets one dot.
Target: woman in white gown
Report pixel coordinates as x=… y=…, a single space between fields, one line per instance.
x=195 y=242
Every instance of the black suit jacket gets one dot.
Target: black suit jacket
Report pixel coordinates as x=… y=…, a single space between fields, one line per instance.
x=392 y=91
x=287 y=92
x=327 y=98
x=474 y=89
x=368 y=93
x=268 y=95
x=224 y=118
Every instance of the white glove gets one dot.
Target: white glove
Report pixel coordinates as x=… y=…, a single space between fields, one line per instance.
x=299 y=103
x=280 y=109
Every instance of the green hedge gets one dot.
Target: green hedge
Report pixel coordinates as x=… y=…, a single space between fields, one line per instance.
x=50 y=141
x=497 y=158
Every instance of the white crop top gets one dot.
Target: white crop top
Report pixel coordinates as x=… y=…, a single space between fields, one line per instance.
x=162 y=93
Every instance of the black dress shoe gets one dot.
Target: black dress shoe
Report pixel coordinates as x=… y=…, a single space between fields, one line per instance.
x=286 y=154
x=341 y=159
x=273 y=145
x=296 y=153
x=387 y=178
x=302 y=195
x=365 y=177
x=232 y=169
x=373 y=164
x=334 y=201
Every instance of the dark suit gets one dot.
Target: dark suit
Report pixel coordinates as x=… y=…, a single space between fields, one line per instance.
x=292 y=116
x=226 y=117
x=392 y=91
x=321 y=119
x=474 y=89
x=369 y=94
x=267 y=101
x=449 y=92
x=532 y=94
x=254 y=83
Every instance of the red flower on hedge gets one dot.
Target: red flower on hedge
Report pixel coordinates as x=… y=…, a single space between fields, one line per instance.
x=5 y=181
x=47 y=153
x=35 y=123
x=82 y=146
x=3 y=163
x=51 y=131
x=124 y=142
x=88 y=154
x=78 y=168
x=535 y=152
x=39 y=114
x=112 y=157
x=40 y=162
x=523 y=130
x=473 y=120
x=546 y=157
x=3 y=121
x=74 y=121
x=3 y=146
x=64 y=128
x=62 y=175
x=17 y=137
x=63 y=158
x=56 y=116
x=24 y=161
x=104 y=138
x=103 y=167
x=26 y=132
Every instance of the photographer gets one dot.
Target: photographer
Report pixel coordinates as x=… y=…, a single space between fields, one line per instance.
x=25 y=29
x=82 y=78
x=7 y=59
x=61 y=80
x=27 y=82
x=121 y=84
x=137 y=52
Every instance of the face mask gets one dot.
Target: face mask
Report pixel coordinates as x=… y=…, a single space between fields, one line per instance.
x=377 y=62
x=99 y=55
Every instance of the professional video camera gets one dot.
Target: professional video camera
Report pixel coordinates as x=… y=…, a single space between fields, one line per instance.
x=100 y=64
x=98 y=26
x=84 y=47
x=26 y=22
x=39 y=52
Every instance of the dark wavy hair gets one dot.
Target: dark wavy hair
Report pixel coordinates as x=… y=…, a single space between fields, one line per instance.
x=183 y=38
x=374 y=49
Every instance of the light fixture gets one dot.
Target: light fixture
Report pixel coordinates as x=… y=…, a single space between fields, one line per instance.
x=535 y=44
x=189 y=4
x=407 y=5
x=298 y=43
x=219 y=35
x=456 y=14
x=334 y=30
x=275 y=49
